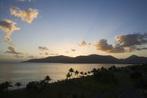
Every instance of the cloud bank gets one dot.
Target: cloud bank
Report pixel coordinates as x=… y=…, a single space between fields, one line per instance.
x=43 y=48
x=131 y=39
x=12 y=51
x=27 y=15
x=8 y=27
x=124 y=43
x=104 y=46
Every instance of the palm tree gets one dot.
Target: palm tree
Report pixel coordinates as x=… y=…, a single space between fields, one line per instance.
x=71 y=70
x=89 y=72
x=85 y=73
x=47 y=79
x=103 y=69
x=5 y=86
x=81 y=73
x=94 y=70
x=68 y=75
x=18 y=84
x=76 y=73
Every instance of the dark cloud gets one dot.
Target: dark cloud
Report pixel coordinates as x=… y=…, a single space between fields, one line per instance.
x=27 y=15
x=43 y=48
x=131 y=39
x=83 y=43
x=104 y=46
x=124 y=43
x=73 y=50
x=12 y=51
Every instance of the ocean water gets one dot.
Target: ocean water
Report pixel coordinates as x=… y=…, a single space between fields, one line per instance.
x=26 y=72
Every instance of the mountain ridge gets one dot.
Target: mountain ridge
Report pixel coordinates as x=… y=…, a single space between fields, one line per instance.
x=93 y=58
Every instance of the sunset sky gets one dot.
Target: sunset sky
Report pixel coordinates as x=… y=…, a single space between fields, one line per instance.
x=41 y=28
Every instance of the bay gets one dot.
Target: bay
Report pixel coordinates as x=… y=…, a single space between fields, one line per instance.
x=26 y=72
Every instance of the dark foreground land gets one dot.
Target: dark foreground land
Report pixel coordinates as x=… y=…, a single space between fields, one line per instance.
x=125 y=82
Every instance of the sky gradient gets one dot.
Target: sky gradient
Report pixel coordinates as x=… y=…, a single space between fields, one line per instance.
x=72 y=28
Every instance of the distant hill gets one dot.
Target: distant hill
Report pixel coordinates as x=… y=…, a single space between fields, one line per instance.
x=91 y=59
x=135 y=60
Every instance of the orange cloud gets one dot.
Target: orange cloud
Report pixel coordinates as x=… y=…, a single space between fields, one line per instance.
x=27 y=15
x=8 y=27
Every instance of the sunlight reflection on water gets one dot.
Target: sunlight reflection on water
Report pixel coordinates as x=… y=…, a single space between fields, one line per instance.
x=25 y=72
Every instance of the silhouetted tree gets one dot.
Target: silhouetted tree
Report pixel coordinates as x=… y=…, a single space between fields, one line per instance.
x=18 y=84
x=71 y=70
x=82 y=73
x=5 y=85
x=76 y=73
x=68 y=75
x=34 y=85
x=85 y=73
x=47 y=79
x=113 y=68
x=89 y=72
x=94 y=70
x=103 y=69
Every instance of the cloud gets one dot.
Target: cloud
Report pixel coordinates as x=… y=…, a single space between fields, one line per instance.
x=104 y=46
x=43 y=48
x=73 y=50
x=27 y=15
x=8 y=27
x=12 y=51
x=131 y=39
x=83 y=43
x=124 y=43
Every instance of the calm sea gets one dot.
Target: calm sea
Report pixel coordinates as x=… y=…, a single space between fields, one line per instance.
x=25 y=72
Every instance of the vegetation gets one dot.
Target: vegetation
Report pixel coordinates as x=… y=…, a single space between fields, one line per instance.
x=123 y=82
x=18 y=84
